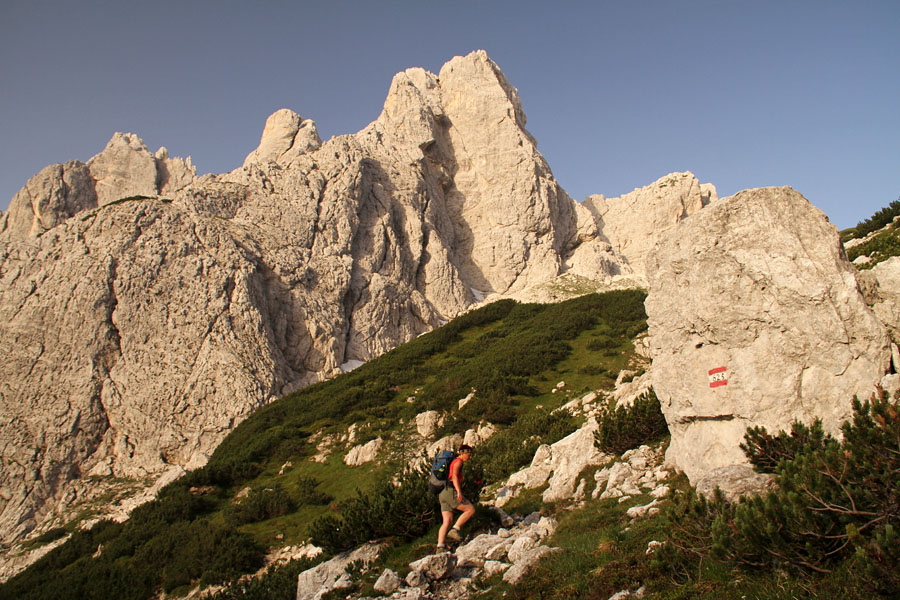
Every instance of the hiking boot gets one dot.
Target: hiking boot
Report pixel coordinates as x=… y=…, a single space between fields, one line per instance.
x=453 y=534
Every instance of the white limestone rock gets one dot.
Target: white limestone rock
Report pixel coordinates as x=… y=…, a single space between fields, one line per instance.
x=435 y=566
x=285 y=136
x=428 y=422
x=626 y=393
x=314 y=583
x=735 y=481
x=483 y=547
x=466 y=400
x=650 y=509
x=450 y=442
x=364 y=453
x=884 y=293
x=757 y=285
x=634 y=222
x=493 y=567
x=559 y=465
x=571 y=455
x=388 y=582
x=520 y=547
x=479 y=435
x=526 y=562
x=124 y=169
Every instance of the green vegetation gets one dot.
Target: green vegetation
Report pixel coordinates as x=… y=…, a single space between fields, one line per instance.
x=405 y=510
x=873 y=223
x=197 y=531
x=831 y=522
x=278 y=582
x=625 y=427
x=881 y=246
x=828 y=531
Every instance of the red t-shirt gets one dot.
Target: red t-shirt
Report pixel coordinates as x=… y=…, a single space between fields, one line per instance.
x=455 y=470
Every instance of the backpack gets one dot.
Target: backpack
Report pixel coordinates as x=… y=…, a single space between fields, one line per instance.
x=440 y=471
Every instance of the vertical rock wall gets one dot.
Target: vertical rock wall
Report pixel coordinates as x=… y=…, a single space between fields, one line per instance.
x=756 y=318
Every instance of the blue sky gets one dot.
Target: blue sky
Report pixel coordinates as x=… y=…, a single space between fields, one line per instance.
x=618 y=93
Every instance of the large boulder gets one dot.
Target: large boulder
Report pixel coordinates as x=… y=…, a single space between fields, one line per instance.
x=331 y=575
x=755 y=318
x=560 y=465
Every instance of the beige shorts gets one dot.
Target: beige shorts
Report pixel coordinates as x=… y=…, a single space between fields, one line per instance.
x=447 y=499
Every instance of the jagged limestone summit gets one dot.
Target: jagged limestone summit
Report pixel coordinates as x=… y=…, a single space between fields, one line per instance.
x=146 y=311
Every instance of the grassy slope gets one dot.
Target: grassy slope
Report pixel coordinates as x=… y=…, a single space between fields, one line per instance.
x=512 y=354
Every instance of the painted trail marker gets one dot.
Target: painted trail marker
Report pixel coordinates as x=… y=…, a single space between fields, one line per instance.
x=717 y=377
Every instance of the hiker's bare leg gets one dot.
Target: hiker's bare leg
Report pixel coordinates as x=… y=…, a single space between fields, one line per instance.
x=445 y=526
x=467 y=511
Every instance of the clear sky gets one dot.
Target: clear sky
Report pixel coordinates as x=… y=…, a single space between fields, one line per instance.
x=617 y=93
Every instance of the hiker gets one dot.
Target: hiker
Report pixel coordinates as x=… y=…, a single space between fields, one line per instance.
x=451 y=498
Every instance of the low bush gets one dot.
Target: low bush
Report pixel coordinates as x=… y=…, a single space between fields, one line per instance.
x=278 y=582
x=626 y=427
x=603 y=342
x=259 y=505
x=766 y=451
x=836 y=505
x=404 y=509
x=878 y=220
x=592 y=370
x=879 y=248
x=51 y=535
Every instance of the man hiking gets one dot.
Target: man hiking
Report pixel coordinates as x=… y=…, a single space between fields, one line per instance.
x=451 y=498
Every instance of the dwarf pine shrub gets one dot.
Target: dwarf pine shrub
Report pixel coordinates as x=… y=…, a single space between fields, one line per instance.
x=836 y=504
x=626 y=427
x=766 y=451
x=404 y=509
x=259 y=505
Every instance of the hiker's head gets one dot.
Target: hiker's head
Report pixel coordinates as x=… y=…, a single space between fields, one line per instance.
x=465 y=452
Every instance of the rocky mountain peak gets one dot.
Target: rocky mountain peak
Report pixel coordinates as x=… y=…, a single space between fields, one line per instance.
x=285 y=136
x=137 y=335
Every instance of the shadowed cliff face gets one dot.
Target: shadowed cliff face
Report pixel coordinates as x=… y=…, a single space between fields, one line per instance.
x=144 y=311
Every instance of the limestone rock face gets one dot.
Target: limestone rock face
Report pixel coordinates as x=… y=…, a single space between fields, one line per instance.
x=328 y=576
x=157 y=309
x=755 y=318
x=125 y=168
x=172 y=174
x=883 y=293
x=285 y=136
x=634 y=222
x=50 y=197
x=505 y=243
